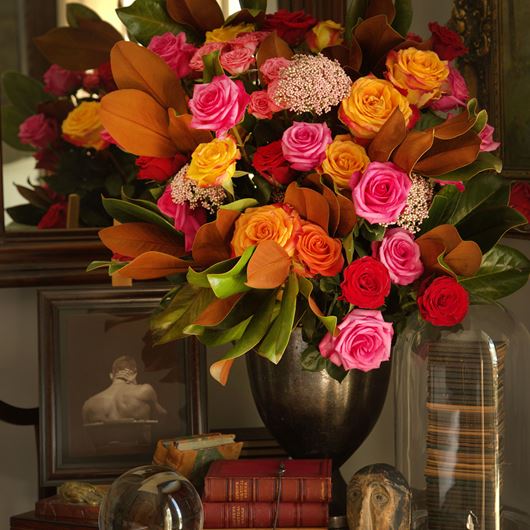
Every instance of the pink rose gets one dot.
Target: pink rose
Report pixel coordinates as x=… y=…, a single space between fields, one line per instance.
x=259 y=105
x=38 y=131
x=457 y=92
x=236 y=60
x=364 y=341
x=400 y=254
x=61 y=82
x=196 y=61
x=272 y=68
x=250 y=40
x=186 y=220
x=219 y=105
x=304 y=144
x=381 y=193
x=488 y=143
x=175 y=51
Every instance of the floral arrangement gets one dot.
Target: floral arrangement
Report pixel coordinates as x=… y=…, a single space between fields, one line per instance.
x=58 y=120
x=338 y=179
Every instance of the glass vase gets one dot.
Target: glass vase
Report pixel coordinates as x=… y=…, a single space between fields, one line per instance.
x=462 y=421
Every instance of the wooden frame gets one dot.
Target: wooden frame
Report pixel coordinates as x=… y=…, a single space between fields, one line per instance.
x=71 y=445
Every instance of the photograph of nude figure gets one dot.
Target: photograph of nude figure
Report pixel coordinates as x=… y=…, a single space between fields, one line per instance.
x=105 y=404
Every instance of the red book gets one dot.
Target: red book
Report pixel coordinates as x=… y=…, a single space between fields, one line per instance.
x=261 y=514
x=257 y=481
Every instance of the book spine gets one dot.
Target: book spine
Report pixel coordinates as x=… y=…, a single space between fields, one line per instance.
x=261 y=514
x=264 y=489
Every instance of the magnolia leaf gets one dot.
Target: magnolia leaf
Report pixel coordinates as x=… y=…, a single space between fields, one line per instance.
x=217 y=311
x=504 y=271
x=24 y=93
x=269 y=266
x=334 y=210
x=136 y=67
x=348 y=243
x=39 y=200
x=275 y=342
x=134 y=239
x=220 y=370
x=272 y=46
x=25 y=214
x=381 y=7
x=260 y=5
x=348 y=217
x=246 y=16
x=391 y=134
x=76 y=12
x=211 y=337
x=465 y=259
x=356 y=11
x=138 y=123
x=455 y=126
x=310 y=204
x=77 y=48
x=306 y=288
x=484 y=162
x=92 y=266
x=415 y=145
x=312 y=360
x=404 y=15
x=183 y=135
x=229 y=283
x=205 y=15
x=240 y=205
x=442 y=207
x=212 y=66
x=145 y=19
x=200 y=279
x=151 y=265
x=127 y=212
x=142 y=203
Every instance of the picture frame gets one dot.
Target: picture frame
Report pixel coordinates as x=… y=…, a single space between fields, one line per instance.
x=104 y=400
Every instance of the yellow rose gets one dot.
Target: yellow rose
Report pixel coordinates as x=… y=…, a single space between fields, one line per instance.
x=83 y=126
x=344 y=158
x=214 y=163
x=274 y=222
x=370 y=104
x=420 y=74
x=325 y=34
x=226 y=33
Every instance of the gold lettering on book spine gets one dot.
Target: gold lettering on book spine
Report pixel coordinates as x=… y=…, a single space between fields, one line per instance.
x=241 y=492
x=238 y=517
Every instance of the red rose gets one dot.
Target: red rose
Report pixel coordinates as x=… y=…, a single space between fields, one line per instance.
x=520 y=198
x=106 y=78
x=366 y=283
x=290 y=26
x=46 y=159
x=271 y=164
x=446 y=43
x=444 y=302
x=55 y=217
x=159 y=169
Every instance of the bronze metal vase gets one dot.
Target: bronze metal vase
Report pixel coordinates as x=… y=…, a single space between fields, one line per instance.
x=312 y=415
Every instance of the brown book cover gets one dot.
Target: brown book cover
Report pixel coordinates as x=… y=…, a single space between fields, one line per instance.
x=57 y=508
x=257 y=481
x=261 y=514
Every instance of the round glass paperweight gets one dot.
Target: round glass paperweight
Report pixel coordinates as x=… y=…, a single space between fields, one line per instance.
x=151 y=497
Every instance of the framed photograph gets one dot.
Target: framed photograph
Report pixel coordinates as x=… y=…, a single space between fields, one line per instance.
x=106 y=395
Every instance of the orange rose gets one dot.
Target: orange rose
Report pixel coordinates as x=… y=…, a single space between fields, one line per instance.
x=278 y=223
x=370 y=104
x=325 y=34
x=419 y=73
x=319 y=253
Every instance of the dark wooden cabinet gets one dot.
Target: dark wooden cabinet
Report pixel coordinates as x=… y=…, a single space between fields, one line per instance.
x=29 y=521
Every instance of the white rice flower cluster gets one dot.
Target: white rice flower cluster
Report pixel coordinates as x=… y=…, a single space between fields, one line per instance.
x=418 y=204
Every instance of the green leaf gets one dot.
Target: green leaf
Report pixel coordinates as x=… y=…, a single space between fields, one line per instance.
x=97 y=265
x=306 y=288
x=233 y=281
x=273 y=345
x=255 y=330
x=25 y=214
x=487 y=225
x=504 y=270
x=148 y=205
x=76 y=12
x=146 y=18
x=348 y=244
x=403 y=18
x=484 y=162
x=312 y=360
x=127 y=212
x=373 y=232
x=24 y=93
x=260 y=5
x=200 y=279
x=442 y=208
x=356 y=10
x=116 y=266
x=263 y=189
x=187 y=304
x=428 y=120
x=212 y=66
x=336 y=372
x=482 y=121
x=11 y=120
x=240 y=205
x=210 y=337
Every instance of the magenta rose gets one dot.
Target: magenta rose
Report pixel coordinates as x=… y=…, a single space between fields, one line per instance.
x=272 y=68
x=38 y=131
x=381 y=193
x=196 y=62
x=175 y=51
x=457 y=92
x=185 y=219
x=259 y=105
x=236 y=60
x=61 y=82
x=364 y=341
x=400 y=254
x=304 y=144
x=250 y=40
x=488 y=143
x=219 y=105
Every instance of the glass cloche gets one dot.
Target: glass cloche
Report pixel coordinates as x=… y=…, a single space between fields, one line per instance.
x=463 y=421
x=154 y=498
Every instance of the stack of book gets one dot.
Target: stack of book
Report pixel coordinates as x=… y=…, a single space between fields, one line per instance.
x=267 y=493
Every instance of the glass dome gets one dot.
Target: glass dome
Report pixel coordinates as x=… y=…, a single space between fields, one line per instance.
x=463 y=421
x=154 y=498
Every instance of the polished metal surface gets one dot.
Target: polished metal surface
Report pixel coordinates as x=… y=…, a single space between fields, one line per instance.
x=311 y=414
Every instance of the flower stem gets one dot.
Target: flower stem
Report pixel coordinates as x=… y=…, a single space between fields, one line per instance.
x=240 y=144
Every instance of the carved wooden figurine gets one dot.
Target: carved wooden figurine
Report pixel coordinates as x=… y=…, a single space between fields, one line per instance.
x=379 y=498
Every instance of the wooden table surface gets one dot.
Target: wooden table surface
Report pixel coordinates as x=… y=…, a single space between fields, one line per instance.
x=28 y=521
